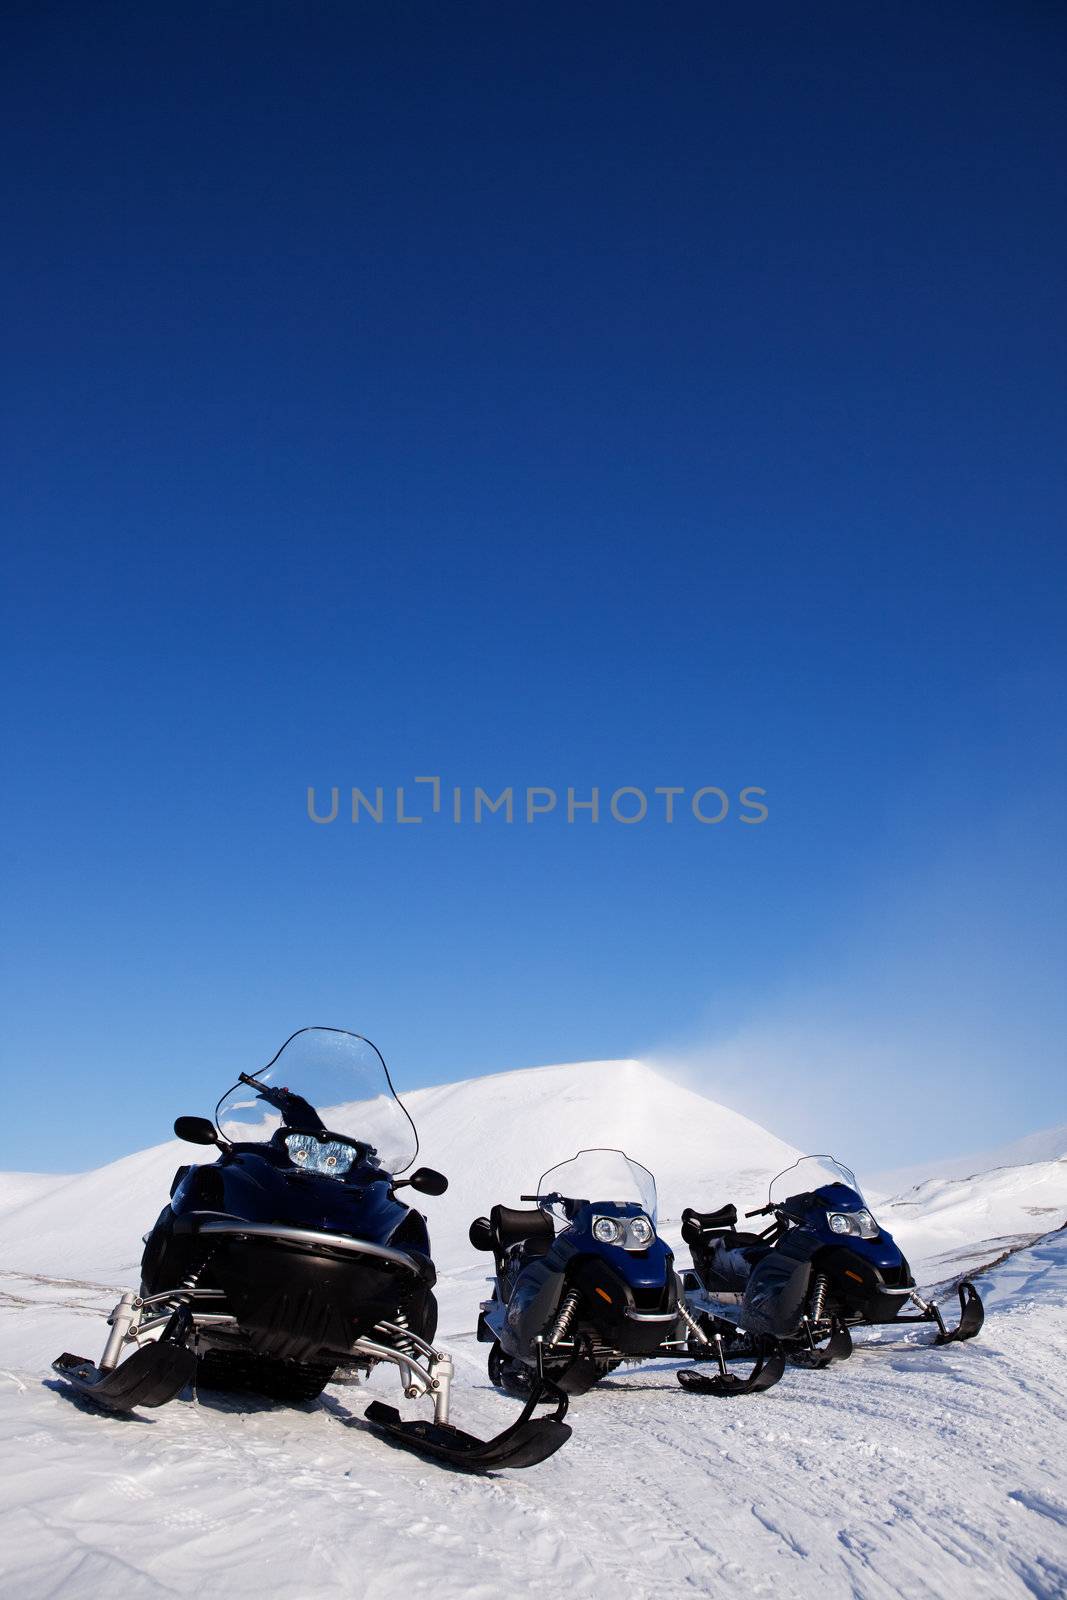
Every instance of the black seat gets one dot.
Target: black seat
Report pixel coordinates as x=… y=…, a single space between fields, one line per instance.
x=510 y=1226
x=505 y=1226
x=696 y=1223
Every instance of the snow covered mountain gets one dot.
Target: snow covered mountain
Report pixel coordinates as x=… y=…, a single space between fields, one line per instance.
x=955 y=1215
x=902 y=1472
x=492 y=1136
x=950 y=1225
x=495 y=1136
x=1050 y=1144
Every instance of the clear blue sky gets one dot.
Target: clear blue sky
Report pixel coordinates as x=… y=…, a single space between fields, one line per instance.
x=551 y=394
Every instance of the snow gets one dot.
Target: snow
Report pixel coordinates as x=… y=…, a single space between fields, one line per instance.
x=1050 y=1144
x=951 y=1225
x=904 y=1471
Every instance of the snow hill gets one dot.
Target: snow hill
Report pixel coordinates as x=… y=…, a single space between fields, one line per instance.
x=495 y=1136
x=1048 y=1145
x=907 y=1470
x=959 y=1214
x=492 y=1136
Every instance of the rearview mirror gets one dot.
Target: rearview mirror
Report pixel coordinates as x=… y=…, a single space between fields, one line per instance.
x=196 y=1130
x=426 y=1181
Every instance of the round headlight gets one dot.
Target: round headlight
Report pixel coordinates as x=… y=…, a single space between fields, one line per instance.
x=606 y=1230
x=840 y=1224
x=641 y=1231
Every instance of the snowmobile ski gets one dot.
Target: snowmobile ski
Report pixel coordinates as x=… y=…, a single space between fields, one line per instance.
x=528 y=1440
x=154 y=1374
x=820 y=1356
x=769 y=1368
x=972 y=1316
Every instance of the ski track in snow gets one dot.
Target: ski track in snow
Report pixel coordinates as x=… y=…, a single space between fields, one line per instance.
x=906 y=1471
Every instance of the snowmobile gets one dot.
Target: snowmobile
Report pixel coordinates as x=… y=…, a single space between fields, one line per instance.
x=822 y=1267
x=293 y=1257
x=582 y=1281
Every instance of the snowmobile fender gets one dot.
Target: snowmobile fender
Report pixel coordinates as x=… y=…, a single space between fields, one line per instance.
x=633 y=1318
x=534 y=1298
x=860 y=1283
x=775 y=1294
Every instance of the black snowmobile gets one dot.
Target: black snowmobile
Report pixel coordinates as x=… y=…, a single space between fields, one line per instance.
x=583 y=1282
x=293 y=1256
x=822 y=1267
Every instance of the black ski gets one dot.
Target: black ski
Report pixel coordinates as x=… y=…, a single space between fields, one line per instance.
x=764 y=1375
x=837 y=1348
x=153 y=1375
x=972 y=1315
x=528 y=1440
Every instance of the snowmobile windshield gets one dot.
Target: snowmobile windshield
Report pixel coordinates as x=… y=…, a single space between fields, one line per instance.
x=597 y=1177
x=811 y=1174
x=323 y=1081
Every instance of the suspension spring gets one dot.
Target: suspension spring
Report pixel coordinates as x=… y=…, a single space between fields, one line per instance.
x=405 y=1346
x=818 y=1298
x=192 y=1279
x=564 y=1319
x=691 y=1323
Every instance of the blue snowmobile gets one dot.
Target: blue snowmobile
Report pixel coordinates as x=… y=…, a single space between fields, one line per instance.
x=293 y=1256
x=582 y=1282
x=822 y=1267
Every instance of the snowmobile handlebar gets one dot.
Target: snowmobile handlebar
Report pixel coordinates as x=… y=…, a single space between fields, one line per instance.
x=296 y=1111
x=761 y=1211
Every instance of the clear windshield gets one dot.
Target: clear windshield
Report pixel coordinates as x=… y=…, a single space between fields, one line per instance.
x=597 y=1177
x=323 y=1079
x=807 y=1175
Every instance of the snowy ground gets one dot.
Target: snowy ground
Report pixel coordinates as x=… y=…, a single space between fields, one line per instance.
x=902 y=1472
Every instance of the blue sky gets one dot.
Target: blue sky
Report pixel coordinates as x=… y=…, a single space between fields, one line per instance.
x=536 y=395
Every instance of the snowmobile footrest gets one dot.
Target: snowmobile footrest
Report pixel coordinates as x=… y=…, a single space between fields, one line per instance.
x=764 y=1375
x=524 y=1444
x=153 y=1375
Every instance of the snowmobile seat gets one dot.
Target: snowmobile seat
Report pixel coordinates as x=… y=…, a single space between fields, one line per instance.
x=510 y=1226
x=695 y=1224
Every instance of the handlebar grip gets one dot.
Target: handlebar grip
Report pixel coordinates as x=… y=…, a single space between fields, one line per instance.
x=528 y=1197
x=760 y=1211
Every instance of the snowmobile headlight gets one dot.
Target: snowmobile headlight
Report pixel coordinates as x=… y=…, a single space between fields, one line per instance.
x=867 y=1225
x=328 y=1157
x=858 y=1223
x=606 y=1230
x=641 y=1231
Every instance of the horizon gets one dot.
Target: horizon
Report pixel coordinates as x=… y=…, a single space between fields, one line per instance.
x=678 y=1078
